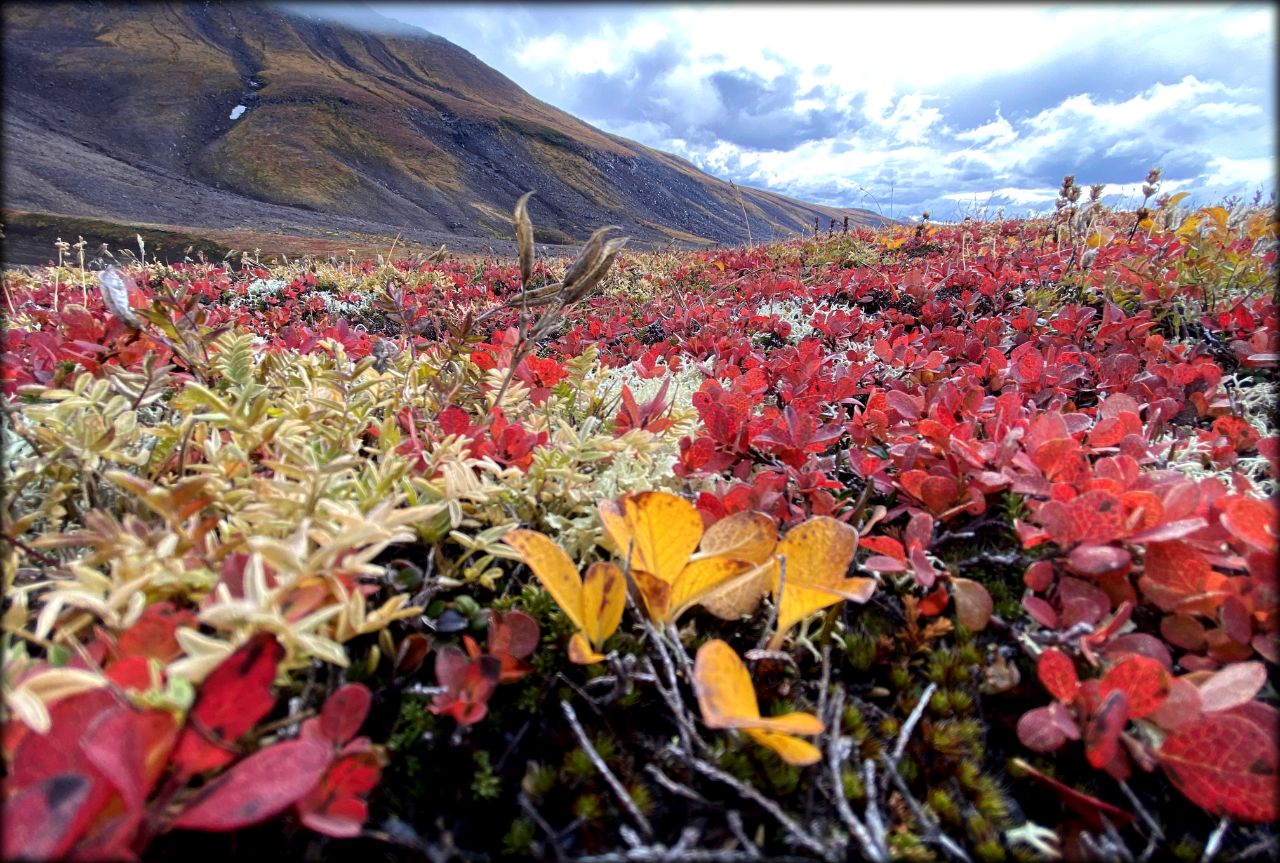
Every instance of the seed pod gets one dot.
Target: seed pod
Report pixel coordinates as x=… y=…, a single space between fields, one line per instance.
x=588 y=258
x=584 y=285
x=524 y=238
x=115 y=294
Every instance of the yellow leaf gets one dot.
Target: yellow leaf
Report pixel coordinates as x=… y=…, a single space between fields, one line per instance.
x=793 y=750
x=580 y=652
x=701 y=577
x=1188 y=227
x=553 y=568
x=655 y=593
x=1177 y=199
x=604 y=595
x=664 y=529
x=749 y=536
x=720 y=266
x=615 y=527
x=818 y=554
x=725 y=694
x=593 y=605
x=728 y=700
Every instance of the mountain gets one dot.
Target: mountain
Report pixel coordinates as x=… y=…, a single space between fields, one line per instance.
x=243 y=123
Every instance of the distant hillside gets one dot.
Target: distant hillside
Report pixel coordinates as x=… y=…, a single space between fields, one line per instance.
x=123 y=113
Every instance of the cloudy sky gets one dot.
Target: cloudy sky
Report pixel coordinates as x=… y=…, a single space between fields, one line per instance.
x=900 y=108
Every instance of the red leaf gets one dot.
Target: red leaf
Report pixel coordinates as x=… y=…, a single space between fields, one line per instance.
x=341 y=818
x=259 y=787
x=512 y=637
x=1183 y=630
x=1081 y=602
x=1180 y=707
x=938 y=492
x=344 y=712
x=1097 y=516
x=1225 y=765
x=335 y=806
x=935 y=602
x=43 y=820
x=232 y=698
x=1041 y=611
x=1176 y=577
x=1091 y=809
x=131 y=748
x=1232 y=686
x=1143 y=681
x=919 y=532
x=884 y=563
x=1058 y=674
x=1039 y=575
x=1038 y=731
x=1102 y=733
x=1097 y=559
x=131 y=672
x=468 y=683
x=1264 y=716
x=1251 y=521
x=1140 y=644
x=153 y=634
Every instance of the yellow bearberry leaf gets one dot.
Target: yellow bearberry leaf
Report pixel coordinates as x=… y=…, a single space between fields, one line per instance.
x=728 y=700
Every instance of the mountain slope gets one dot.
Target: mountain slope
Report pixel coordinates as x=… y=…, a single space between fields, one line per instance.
x=123 y=112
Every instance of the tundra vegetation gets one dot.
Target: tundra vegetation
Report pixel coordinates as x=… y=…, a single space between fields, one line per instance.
x=938 y=542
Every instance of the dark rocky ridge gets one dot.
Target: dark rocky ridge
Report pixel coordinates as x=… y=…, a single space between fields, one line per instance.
x=120 y=112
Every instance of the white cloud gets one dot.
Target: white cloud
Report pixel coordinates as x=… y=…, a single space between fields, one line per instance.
x=999 y=132
x=1228 y=172
x=939 y=103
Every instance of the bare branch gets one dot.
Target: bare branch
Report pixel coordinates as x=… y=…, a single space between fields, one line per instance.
x=620 y=792
x=797 y=833
x=900 y=746
x=871 y=848
x=1214 y=845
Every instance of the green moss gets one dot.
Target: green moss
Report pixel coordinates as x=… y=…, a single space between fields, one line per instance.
x=484 y=784
x=518 y=840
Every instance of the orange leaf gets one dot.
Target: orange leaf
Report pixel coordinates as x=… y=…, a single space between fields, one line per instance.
x=1176 y=577
x=792 y=750
x=749 y=536
x=728 y=700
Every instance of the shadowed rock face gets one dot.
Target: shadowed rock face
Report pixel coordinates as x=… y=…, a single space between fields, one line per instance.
x=123 y=112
